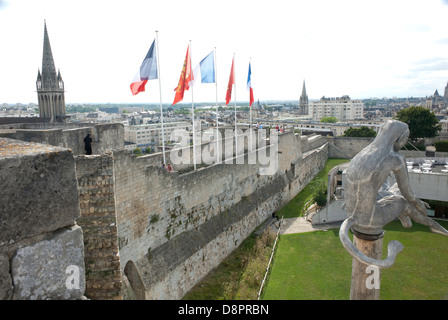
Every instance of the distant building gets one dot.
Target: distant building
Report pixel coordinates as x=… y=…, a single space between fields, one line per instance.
x=303 y=103
x=436 y=102
x=50 y=87
x=342 y=108
x=335 y=129
x=444 y=126
x=150 y=135
x=445 y=95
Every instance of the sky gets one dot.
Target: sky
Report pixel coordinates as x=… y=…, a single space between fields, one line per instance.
x=363 y=49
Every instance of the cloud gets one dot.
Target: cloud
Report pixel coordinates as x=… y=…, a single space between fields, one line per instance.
x=416 y=28
x=442 y=41
x=3 y=4
x=431 y=64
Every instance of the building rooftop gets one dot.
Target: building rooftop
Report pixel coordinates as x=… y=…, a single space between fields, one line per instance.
x=425 y=165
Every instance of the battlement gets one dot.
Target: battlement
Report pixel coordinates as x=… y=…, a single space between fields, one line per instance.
x=68 y=135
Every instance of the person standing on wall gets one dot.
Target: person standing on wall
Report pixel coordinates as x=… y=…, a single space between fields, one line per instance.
x=88 y=144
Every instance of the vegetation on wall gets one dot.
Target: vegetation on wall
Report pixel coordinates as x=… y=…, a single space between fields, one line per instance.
x=362 y=132
x=329 y=120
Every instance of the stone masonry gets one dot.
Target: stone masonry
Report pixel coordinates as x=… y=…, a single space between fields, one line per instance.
x=97 y=202
x=174 y=228
x=41 y=246
x=131 y=228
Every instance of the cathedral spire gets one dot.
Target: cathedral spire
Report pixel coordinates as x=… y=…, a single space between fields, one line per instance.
x=50 y=86
x=445 y=95
x=303 y=103
x=303 y=89
x=48 y=68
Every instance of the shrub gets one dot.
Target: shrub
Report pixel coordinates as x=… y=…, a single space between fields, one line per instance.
x=441 y=146
x=320 y=193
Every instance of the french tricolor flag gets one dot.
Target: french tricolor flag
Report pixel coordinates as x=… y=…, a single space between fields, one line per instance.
x=147 y=71
x=249 y=86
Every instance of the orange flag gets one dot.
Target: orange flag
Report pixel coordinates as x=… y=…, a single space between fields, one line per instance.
x=185 y=77
x=229 y=86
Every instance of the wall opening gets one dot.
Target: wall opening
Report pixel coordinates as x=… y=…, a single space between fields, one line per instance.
x=131 y=272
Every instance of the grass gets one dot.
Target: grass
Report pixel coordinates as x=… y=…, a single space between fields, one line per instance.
x=295 y=206
x=240 y=275
x=315 y=266
x=223 y=282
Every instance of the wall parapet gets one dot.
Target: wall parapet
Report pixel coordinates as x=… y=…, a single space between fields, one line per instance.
x=39 y=237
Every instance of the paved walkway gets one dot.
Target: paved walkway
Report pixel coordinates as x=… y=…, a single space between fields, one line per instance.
x=298 y=225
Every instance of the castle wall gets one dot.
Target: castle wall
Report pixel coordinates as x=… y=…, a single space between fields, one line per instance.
x=346 y=147
x=175 y=228
x=41 y=247
x=95 y=175
x=69 y=135
x=157 y=231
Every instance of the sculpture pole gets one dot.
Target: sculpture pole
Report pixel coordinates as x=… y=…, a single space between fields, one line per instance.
x=366 y=279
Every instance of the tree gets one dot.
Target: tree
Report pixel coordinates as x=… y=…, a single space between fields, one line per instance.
x=320 y=193
x=329 y=120
x=138 y=152
x=360 y=132
x=421 y=121
x=441 y=146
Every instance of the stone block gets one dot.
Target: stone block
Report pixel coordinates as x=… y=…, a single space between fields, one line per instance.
x=52 y=269
x=5 y=278
x=39 y=189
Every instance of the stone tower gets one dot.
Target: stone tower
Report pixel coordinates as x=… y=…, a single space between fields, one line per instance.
x=445 y=95
x=303 y=104
x=50 y=87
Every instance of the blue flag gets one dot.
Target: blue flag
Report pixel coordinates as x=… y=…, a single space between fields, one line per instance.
x=207 y=66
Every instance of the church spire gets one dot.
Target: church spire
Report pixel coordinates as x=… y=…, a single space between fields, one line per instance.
x=50 y=86
x=303 y=89
x=49 y=76
x=303 y=103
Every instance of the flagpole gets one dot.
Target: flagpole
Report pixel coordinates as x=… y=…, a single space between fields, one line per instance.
x=234 y=98
x=160 y=92
x=217 y=112
x=250 y=112
x=192 y=117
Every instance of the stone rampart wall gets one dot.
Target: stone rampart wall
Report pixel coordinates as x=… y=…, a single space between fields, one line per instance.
x=346 y=147
x=95 y=175
x=41 y=246
x=174 y=228
x=68 y=135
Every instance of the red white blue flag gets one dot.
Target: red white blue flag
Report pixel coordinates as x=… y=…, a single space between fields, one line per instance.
x=147 y=71
x=249 y=86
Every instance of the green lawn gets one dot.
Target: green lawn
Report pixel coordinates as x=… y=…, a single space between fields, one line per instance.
x=315 y=266
x=295 y=206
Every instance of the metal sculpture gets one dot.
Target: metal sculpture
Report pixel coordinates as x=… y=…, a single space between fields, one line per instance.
x=372 y=201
